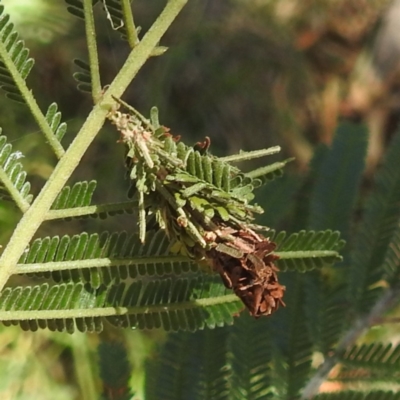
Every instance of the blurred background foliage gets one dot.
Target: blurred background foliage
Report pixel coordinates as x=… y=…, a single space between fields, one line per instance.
x=247 y=73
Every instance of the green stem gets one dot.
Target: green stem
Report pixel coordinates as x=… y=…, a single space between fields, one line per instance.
x=251 y=155
x=34 y=216
x=131 y=32
x=313 y=254
x=140 y=53
x=92 y=50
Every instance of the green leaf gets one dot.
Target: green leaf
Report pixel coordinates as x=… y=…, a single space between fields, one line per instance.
x=115 y=257
x=79 y=196
x=115 y=369
x=379 y=357
x=324 y=303
x=181 y=304
x=18 y=56
x=304 y=251
x=338 y=180
x=292 y=350
x=251 y=349
x=190 y=366
x=380 y=221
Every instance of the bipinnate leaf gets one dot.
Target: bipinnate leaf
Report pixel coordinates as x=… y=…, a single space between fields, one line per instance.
x=115 y=370
x=292 y=347
x=379 y=225
x=172 y=304
x=103 y=258
x=190 y=366
x=304 y=251
x=338 y=179
x=325 y=305
x=250 y=360
x=377 y=357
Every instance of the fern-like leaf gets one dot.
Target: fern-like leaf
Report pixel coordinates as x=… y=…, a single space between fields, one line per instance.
x=53 y=118
x=250 y=357
x=293 y=347
x=80 y=195
x=115 y=371
x=391 y=262
x=378 y=357
x=103 y=258
x=13 y=177
x=15 y=58
x=376 y=232
x=338 y=180
x=190 y=366
x=337 y=174
x=182 y=304
x=304 y=251
x=325 y=306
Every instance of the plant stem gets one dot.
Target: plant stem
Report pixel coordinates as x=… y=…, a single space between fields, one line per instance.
x=92 y=50
x=359 y=328
x=130 y=27
x=35 y=215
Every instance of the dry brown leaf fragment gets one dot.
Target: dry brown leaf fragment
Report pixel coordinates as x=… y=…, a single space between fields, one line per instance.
x=253 y=276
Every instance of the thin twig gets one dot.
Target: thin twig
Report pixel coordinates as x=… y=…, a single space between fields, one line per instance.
x=130 y=27
x=92 y=50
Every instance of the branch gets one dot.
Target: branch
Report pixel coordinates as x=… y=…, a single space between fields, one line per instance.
x=131 y=31
x=92 y=50
x=36 y=214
